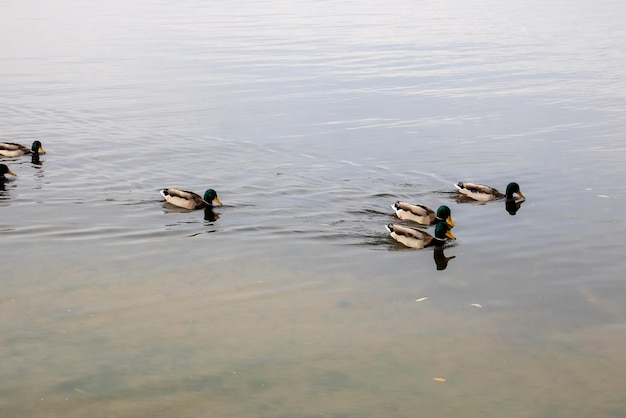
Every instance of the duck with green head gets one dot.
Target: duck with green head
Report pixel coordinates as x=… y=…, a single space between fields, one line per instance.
x=417 y=238
x=5 y=170
x=484 y=193
x=421 y=214
x=190 y=200
x=11 y=149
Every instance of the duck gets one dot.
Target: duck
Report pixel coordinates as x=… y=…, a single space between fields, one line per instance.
x=421 y=214
x=190 y=200
x=484 y=193
x=11 y=149
x=5 y=170
x=417 y=238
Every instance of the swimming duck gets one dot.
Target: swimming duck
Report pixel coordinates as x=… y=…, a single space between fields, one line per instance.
x=484 y=193
x=11 y=149
x=421 y=214
x=416 y=238
x=190 y=200
x=5 y=170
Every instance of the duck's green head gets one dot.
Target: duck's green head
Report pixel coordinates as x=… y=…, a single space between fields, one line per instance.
x=5 y=170
x=513 y=188
x=442 y=231
x=210 y=196
x=445 y=214
x=37 y=148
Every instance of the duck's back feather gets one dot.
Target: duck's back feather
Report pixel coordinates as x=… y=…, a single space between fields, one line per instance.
x=416 y=213
x=11 y=149
x=410 y=237
x=183 y=198
x=479 y=192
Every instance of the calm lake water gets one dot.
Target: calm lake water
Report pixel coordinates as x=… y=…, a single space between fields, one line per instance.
x=310 y=118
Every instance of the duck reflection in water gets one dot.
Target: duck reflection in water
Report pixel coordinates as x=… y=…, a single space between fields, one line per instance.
x=513 y=205
x=441 y=261
x=35 y=160
x=210 y=215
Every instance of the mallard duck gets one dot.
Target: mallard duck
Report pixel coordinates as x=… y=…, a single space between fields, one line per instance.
x=190 y=200
x=484 y=193
x=11 y=149
x=416 y=238
x=421 y=214
x=5 y=170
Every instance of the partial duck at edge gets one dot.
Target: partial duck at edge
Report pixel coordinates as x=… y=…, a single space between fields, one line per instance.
x=4 y=169
x=11 y=149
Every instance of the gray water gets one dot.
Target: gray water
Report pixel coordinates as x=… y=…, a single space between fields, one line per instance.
x=310 y=119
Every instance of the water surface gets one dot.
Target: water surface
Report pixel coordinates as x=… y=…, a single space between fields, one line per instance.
x=310 y=119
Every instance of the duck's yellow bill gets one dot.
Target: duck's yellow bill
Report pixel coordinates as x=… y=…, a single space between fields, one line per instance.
x=450 y=235
x=216 y=200
x=519 y=192
x=450 y=221
x=41 y=151
x=11 y=173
